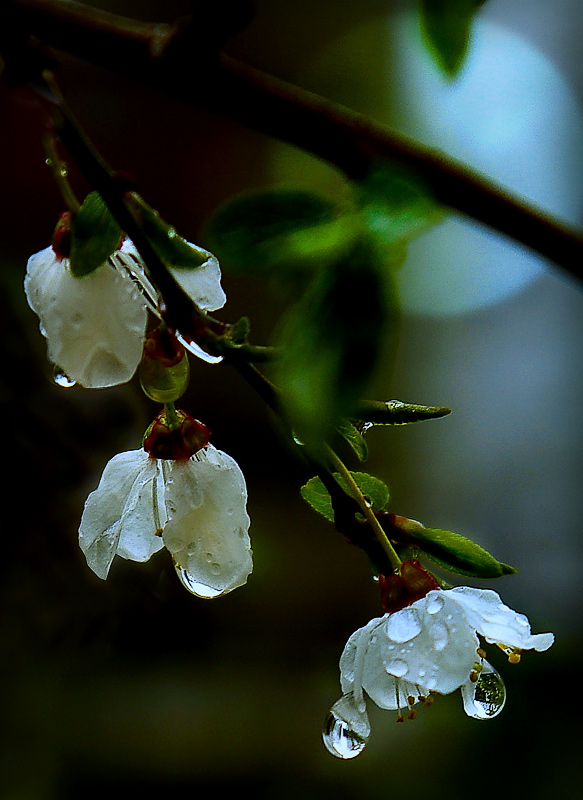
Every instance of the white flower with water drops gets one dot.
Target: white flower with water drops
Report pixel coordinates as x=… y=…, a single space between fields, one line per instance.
x=95 y=324
x=426 y=648
x=194 y=504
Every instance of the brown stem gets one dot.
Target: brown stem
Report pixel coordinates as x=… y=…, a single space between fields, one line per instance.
x=167 y=58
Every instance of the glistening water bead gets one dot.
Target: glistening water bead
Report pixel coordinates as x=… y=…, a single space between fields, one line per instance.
x=196 y=587
x=61 y=378
x=485 y=698
x=340 y=739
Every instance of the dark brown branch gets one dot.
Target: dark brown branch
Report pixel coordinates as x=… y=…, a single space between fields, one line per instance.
x=179 y=64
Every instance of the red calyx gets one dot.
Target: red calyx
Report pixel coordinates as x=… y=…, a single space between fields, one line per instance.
x=62 y=236
x=399 y=591
x=161 y=345
x=177 y=443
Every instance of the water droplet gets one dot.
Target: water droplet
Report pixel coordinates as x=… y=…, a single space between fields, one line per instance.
x=61 y=378
x=434 y=604
x=297 y=440
x=197 y=350
x=346 y=730
x=49 y=162
x=196 y=587
x=431 y=682
x=397 y=668
x=171 y=233
x=63 y=171
x=363 y=427
x=403 y=626
x=440 y=635
x=485 y=698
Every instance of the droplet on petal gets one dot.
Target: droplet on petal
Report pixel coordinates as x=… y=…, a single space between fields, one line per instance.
x=485 y=698
x=61 y=378
x=398 y=668
x=347 y=730
x=195 y=587
x=434 y=604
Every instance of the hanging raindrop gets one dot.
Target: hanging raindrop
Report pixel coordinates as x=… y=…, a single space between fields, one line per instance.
x=61 y=378
x=347 y=730
x=196 y=587
x=485 y=698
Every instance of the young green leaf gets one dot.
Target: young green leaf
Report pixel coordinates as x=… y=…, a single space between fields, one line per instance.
x=395 y=412
x=329 y=342
x=354 y=438
x=396 y=207
x=279 y=229
x=456 y=553
x=374 y=490
x=95 y=235
x=446 y=26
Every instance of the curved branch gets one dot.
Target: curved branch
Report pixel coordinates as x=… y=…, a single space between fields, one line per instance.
x=340 y=136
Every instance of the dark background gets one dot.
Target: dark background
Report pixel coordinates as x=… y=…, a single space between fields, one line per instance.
x=134 y=684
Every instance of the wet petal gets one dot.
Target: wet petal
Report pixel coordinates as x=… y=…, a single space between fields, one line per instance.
x=94 y=325
x=203 y=284
x=101 y=522
x=496 y=622
x=141 y=529
x=207 y=523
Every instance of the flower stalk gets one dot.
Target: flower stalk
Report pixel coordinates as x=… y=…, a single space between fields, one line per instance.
x=366 y=509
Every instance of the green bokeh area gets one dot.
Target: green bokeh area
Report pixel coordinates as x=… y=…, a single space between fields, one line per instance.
x=134 y=686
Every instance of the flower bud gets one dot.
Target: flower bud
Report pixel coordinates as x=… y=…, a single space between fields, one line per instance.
x=62 y=236
x=164 y=370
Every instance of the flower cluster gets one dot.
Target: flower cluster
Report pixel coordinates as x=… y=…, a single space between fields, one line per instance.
x=178 y=491
x=430 y=646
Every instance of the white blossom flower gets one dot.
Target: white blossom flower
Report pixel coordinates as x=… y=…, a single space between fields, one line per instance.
x=95 y=324
x=428 y=647
x=196 y=507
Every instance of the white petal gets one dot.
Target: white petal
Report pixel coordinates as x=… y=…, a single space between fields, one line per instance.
x=141 y=528
x=207 y=523
x=434 y=649
x=101 y=523
x=496 y=622
x=94 y=325
x=203 y=284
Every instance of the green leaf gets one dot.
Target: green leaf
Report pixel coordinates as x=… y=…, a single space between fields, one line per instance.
x=354 y=438
x=95 y=235
x=279 y=229
x=395 y=412
x=374 y=490
x=456 y=553
x=171 y=248
x=329 y=341
x=396 y=206
x=446 y=26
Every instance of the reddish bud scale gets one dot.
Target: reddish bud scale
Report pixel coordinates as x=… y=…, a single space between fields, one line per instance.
x=62 y=236
x=179 y=443
x=399 y=591
x=161 y=345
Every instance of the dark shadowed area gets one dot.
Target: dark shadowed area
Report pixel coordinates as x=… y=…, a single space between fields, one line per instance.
x=134 y=685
